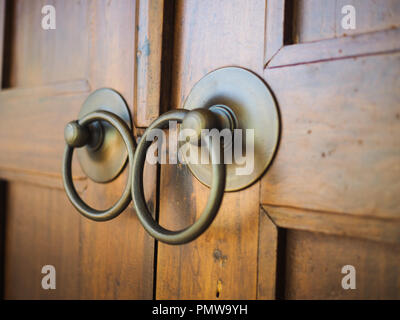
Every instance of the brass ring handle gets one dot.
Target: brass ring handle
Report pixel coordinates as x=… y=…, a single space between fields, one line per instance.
x=77 y=135
x=214 y=200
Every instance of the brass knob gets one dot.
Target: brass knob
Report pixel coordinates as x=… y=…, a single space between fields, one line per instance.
x=75 y=135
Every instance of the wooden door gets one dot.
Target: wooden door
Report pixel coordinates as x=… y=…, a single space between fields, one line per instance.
x=47 y=75
x=330 y=198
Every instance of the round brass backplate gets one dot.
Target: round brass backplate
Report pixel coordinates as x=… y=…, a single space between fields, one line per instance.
x=104 y=162
x=254 y=107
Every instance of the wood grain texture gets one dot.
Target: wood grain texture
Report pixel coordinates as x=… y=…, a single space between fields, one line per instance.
x=222 y=263
x=267 y=257
x=2 y=31
x=3 y=212
x=33 y=141
x=371 y=16
x=117 y=256
x=41 y=229
x=315 y=20
x=111 y=47
x=150 y=16
x=382 y=230
x=314 y=262
x=40 y=56
x=339 y=148
x=274 y=28
x=94 y=41
x=341 y=48
x=307 y=31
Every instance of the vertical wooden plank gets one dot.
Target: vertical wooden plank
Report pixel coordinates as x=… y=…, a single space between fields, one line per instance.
x=150 y=16
x=221 y=263
x=42 y=228
x=3 y=208
x=3 y=196
x=274 y=28
x=267 y=257
x=117 y=256
x=2 y=26
x=111 y=46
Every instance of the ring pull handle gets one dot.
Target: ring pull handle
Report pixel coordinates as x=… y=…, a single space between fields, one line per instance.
x=197 y=120
x=78 y=134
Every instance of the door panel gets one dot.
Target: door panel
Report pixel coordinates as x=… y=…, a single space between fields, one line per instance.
x=48 y=75
x=38 y=58
x=335 y=175
x=314 y=20
x=222 y=262
x=332 y=191
x=342 y=118
x=314 y=272
x=40 y=230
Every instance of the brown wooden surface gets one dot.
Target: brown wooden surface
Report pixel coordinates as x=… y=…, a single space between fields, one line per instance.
x=329 y=199
x=314 y=262
x=267 y=257
x=371 y=16
x=2 y=25
x=37 y=55
x=315 y=20
x=373 y=43
x=41 y=229
x=49 y=75
x=339 y=149
x=383 y=230
x=150 y=21
x=274 y=28
x=333 y=186
x=306 y=31
x=40 y=149
x=222 y=263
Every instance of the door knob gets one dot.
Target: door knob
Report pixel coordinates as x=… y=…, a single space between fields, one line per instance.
x=99 y=134
x=228 y=98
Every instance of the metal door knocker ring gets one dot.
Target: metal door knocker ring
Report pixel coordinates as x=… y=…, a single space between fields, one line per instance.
x=214 y=200
x=228 y=98
x=77 y=135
